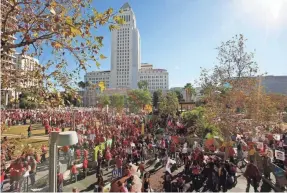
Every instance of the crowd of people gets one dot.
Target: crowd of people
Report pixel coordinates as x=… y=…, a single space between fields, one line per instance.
x=134 y=140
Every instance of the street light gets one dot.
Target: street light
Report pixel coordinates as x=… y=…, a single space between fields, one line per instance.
x=66 y=138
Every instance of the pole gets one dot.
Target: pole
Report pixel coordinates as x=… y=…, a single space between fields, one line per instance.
x=74 y=117
x=53 y=154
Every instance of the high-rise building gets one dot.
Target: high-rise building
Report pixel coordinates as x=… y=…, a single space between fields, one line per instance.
x=8 y=59
x=126 y=68
x=125 y=53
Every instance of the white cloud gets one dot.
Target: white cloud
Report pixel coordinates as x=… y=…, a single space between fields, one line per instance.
x=176 y=67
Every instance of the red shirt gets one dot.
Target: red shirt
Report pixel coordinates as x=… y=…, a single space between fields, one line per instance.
x=86 y=153
x=74 y=169
x=119 y=162
x=2 y=177
x=85 y=163
x=19 y=167
x=78 y=152
x=57 y=129
x=65 y=149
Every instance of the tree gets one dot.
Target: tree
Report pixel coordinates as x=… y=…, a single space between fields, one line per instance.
x=168 y=104
x=235 y=66
x=179 y=95
x=143 y=84
x=104 y=100
x=117 y=102
x=71 y=99
x=189 y=91
x=233 y=86
x=155 y=99
x=138 y=99
x=65 y=27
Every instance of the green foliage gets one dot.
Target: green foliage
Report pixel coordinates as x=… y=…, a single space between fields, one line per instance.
x=28 y=100
x=117 y=102
x=179 y=95
x=104 y=100
x=189 y=90
x=138 y=98
x=143 y=84
x=66 y=30
x=71 y=99
x=195 y=119
x=168 y=104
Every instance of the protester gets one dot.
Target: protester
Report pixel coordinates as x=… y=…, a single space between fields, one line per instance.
x=252 y=175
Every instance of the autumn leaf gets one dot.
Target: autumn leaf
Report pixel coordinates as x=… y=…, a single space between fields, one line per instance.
x=102 y=56
x=98 y=64
x=52 y=11
x=75 y=31
x=102 y=86
x=112 y=27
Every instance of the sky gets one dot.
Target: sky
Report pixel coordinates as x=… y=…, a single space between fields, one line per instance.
x=181 y=35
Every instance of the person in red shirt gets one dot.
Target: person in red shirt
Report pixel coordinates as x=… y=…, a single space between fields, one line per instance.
x=44 y=151
x=74 y=172
x=2 y=179
x=119 y=164
x=85 y=167
x=108 y=157
x=60 y=180
x=16 y=171
x=86 y=154
x=78 y=153
x=141 y=168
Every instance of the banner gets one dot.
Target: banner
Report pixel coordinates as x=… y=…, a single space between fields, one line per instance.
x=280 y=155
x=169 y=164
x=277 y=137
x=97 y=148
x=109 y=143
x=103 y=146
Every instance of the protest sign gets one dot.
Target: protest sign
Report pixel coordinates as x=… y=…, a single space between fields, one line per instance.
x=260 y=145
x=277 y=137
x=115 y=173
x=269 y=153
x=279 y=174
x=280 y=155
x=109 y=143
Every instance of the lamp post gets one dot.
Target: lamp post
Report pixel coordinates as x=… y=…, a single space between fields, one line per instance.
x=58 y=139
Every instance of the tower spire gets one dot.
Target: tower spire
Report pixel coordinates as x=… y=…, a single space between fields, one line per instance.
x=126 y=6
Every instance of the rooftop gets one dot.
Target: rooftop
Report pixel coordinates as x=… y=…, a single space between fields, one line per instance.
x=126 y=6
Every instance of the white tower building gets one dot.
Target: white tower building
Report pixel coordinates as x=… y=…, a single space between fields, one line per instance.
x=125 y=53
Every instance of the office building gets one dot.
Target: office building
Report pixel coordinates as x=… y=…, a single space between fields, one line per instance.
x=125 y=53
x=157 y=79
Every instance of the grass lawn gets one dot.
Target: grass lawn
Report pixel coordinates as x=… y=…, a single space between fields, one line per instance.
x=37 y=129
x=22 y=144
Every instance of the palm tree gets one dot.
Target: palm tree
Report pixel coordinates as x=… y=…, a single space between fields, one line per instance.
x=83 y=85
x=189 y=91
x=143 y=84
